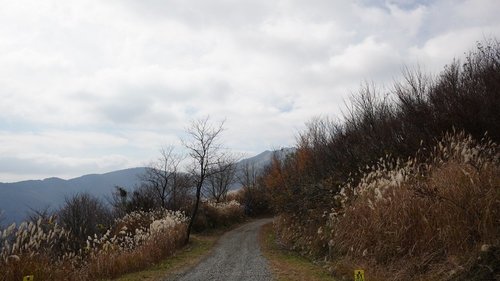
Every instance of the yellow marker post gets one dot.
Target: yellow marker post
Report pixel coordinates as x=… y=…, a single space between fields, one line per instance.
x=29 y=278
x=359 y=275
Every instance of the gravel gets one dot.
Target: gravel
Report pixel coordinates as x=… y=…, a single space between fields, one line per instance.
x=236 y=256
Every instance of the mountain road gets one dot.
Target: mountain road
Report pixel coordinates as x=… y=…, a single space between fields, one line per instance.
x=236 y=256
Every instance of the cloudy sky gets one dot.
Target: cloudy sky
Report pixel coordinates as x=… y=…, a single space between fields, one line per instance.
x=90 y=86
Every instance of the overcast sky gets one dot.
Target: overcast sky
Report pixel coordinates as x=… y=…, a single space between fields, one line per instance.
x=91 y=86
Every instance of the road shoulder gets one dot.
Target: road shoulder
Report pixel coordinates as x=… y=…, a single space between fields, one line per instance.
x=189 y=256
x=199 y=248
x=287 y=265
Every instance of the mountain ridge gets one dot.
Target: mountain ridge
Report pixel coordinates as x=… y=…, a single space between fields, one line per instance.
x=17 y=199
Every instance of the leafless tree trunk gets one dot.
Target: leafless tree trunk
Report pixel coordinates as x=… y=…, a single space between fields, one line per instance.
x=161 y=176
x=205 y=151
x=222 y=175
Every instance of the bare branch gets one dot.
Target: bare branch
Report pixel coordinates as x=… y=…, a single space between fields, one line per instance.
x=205 y=152
x=220 y=178
x=162 y=177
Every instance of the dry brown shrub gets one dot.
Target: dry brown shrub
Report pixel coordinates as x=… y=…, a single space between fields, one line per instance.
x=42 y=248
x=430 y=224
x=40 y=266
x=115 y=263
x=212 y=215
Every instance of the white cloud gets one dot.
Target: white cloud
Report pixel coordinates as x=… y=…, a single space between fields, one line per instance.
x=366 y=58
x=104 y=84
x=439 y=50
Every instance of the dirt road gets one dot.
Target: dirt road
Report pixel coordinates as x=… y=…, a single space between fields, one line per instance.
x=236 y=256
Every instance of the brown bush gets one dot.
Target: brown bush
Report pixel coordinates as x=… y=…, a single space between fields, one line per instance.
x=43 y=248
x=111 y=264
x=213 y=215
x=431 y=222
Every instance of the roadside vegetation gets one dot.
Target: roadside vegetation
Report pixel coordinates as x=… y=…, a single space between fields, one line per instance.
x=199 y=246
x=287 y=265
x=406 y=185
x=87 y=239
x=139 y=240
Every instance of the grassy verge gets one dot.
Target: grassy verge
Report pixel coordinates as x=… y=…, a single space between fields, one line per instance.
x=199 y=246
x=287 y=265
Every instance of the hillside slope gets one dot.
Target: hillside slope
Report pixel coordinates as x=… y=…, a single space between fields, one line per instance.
x=17 y=199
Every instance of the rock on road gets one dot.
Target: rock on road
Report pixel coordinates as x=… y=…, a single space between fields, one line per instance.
x=236 y=256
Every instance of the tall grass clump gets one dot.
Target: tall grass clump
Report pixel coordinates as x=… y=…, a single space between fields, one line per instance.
x=41 y=247
x=139 y=240
x=213 y=215
x=427 y=218
x=46 y=250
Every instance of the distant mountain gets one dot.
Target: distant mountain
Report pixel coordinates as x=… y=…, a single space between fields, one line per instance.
x=19 y=198
x=264 y=159
x=260 y=162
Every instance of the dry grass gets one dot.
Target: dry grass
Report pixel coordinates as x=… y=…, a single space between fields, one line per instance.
x=425 y=219
x=198 y=247
x=138 y=241
x=287 y=265
x=433 y=222
x=213 y=215
x=115 y=263
x=41 y=267
x=43 y=248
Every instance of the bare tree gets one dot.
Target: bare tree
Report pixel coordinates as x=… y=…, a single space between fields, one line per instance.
x=119 y=200
x=142 y=198
x=222 y=175
x=248 y=175
x=162 y=177
x=43 y=213
x=253 y=193
x=85 y=215
x=181 y=193
x=205 y=152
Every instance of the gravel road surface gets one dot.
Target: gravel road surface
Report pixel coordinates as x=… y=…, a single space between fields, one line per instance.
x=236 y=256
